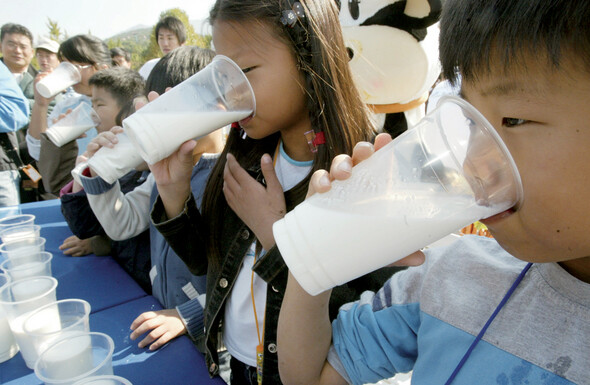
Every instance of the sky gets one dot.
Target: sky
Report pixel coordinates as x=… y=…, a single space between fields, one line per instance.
x=103 y=18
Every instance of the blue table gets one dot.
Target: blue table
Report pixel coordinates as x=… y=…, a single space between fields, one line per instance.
x=116 y=300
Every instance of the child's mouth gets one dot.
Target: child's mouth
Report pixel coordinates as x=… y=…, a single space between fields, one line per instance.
x=494 y=218
x=245 y=121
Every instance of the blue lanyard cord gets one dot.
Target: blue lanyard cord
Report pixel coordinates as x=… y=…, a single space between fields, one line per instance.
x=488 y=323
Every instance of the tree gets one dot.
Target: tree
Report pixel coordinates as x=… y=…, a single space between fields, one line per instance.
x=54 y=30
x=192 y=38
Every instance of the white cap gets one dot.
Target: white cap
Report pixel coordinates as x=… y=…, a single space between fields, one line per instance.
x=48 y=44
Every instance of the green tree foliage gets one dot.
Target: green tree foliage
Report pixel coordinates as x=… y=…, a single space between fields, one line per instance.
x=55 y=32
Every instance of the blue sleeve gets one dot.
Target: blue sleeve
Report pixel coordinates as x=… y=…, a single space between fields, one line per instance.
x=191 y=313
x=14 y=106
x=374 y=343
x=79 y=215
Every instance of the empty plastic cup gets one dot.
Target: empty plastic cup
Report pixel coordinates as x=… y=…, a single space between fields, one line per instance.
x=104 y=380
x=214 y=97
x=81 y=119
x=63 y=76
x=75 y=357
x=56 y=320
x=30 y=265
x=19 y=299
x=450 y=170
x=22 y=247
x=8 y=346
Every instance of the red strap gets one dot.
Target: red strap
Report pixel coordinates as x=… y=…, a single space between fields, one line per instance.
x=319 y=138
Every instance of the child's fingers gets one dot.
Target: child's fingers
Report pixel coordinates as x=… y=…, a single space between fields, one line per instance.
x=163 y=340
x=152 y=336
x=140 y=320
x=269 y=174
x=341 y=167
x=320 y=182
x=381 y=140
x=361 y=151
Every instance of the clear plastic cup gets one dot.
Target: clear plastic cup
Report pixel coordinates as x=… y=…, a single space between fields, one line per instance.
x=17 y=220
x=63 y=76
x=8 y=346
x=19 y=299
x=112 y=163
x=36 y=264
x=104 y=380
x=75 y=357
x=214 y=97
x=22 y=247
x=56 y=320
x=81 y=119
x=15 y=233
x=450 y=170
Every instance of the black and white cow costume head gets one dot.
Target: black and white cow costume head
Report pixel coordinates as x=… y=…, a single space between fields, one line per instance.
x=393 y=45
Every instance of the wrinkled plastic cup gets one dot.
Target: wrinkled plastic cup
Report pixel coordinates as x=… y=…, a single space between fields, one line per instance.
x=22 y=247
x=17 y=220
x=63 y=76
x=31 y=265
x=112 y=163
x=104 y=380
x=8 y=346
x=75 y=357
x=20 y=232
x=450 y=170
x=19 y=299
x=57 y=320
x=214 y=97
x=81 y=119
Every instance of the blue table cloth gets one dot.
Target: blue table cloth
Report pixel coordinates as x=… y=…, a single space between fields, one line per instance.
x=115 y=300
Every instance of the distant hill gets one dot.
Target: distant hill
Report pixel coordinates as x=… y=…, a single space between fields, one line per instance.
x=140 y=34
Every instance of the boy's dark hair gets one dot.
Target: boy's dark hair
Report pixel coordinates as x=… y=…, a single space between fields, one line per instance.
x=120 y=51
x=122 y=83
x=11 y=28
x=85 y=49
x=173 y=24
x=475 y=32
x=177 y=66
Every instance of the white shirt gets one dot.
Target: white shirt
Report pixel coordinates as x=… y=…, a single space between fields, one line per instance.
x=239 y=327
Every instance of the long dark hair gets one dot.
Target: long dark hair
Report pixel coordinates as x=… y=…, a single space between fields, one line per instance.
x=333 y=103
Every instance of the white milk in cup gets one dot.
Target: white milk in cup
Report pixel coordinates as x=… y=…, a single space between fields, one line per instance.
x=113 y=163
x=8 y=346
x=81 y=119
x=57 y=320
x=19 y=299
x=28 y=265
x=214 y=97
x=451 y=170
x=63 y=76
x=104 y=380
x=74 y=357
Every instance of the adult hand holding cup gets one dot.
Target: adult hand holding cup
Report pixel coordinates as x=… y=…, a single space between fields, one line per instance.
x=450 y=170
x=214 y=97
x=62 y=77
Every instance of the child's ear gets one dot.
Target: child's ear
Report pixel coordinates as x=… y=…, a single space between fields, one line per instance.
x=102 y=67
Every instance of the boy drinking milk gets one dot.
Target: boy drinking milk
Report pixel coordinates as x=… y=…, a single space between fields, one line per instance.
x=513 y=309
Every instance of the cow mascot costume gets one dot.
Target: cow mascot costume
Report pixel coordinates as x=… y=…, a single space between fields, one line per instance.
x=393 y=49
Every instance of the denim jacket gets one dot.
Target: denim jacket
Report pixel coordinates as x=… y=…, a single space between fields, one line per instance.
x=185 y=235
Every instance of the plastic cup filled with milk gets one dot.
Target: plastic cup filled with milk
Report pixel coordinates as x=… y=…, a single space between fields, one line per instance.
x=19 y=299
x=20 y=232
x=63 y=76
x=113 y=163
x=56 y=320
x=17 y=220
x=448 y=171
x=81 y=119
x=212 y=98
x=22 y=247
x=104 y=380
x=74 y=357
x=8 y=346
x=29 y=265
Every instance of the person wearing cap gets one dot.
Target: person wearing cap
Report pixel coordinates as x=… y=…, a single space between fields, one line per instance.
x=46 y=53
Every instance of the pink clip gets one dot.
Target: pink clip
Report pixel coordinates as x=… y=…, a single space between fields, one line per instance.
x=314 y=139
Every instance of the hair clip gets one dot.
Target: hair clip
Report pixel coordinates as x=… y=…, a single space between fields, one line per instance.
x=290 y=16
x=236 y=126
x=314 y=139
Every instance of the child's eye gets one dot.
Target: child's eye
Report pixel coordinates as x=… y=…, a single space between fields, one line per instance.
x=248 y=69
x=512 y=122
